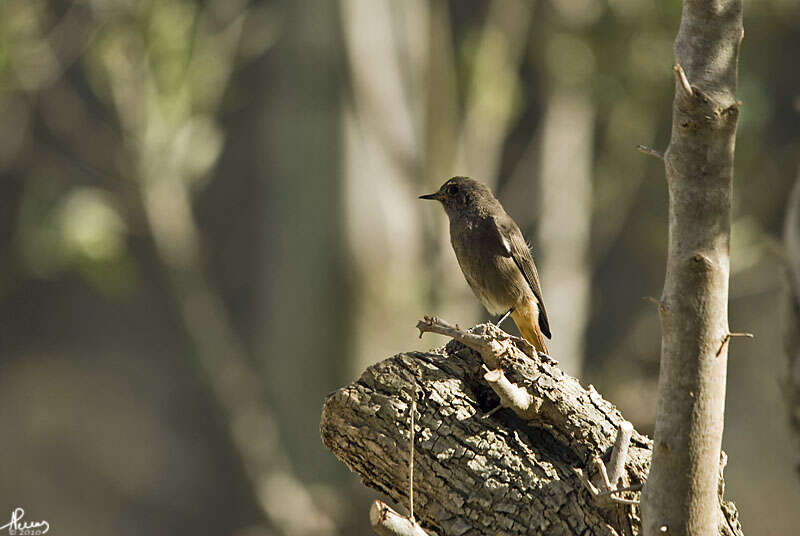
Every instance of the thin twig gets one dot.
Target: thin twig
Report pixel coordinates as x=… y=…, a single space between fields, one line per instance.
x=411 y=462
x=650 y=151
x=492 y=411
x=635 y=487
x=603 y=473
x=492 y=346
x=728 y=337
x=741 y=334
x=684 y=82
x=384 y=520
x=619 y=454
x=622 y=500
x=661 y=307
x=608 y=490
x=586 y=481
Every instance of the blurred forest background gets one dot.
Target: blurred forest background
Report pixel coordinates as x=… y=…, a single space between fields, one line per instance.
x=209 y=220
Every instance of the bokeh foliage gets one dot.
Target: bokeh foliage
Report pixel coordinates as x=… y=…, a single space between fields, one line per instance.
x=208 y=221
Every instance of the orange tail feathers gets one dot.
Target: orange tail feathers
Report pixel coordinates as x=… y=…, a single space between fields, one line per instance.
x=527 y=320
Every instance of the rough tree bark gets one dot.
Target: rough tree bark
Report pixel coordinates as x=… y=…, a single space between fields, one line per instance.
x=681 y=489
x=481 y=473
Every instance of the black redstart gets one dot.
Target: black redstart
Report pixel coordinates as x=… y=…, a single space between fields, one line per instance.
x=494 y=257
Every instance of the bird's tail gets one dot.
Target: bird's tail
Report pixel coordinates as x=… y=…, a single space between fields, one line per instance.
x=527 y=320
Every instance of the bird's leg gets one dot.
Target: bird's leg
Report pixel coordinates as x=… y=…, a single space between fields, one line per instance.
x=504 y=317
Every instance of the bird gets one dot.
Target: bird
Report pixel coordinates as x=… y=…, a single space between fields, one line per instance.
x=494 y=257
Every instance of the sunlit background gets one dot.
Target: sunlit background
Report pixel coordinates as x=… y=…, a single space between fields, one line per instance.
x=209 y=220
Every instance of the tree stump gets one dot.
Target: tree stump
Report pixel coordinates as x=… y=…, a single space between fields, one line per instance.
x=483 y=472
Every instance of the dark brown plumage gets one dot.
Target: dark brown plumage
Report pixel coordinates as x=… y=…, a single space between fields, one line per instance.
x=494 y=257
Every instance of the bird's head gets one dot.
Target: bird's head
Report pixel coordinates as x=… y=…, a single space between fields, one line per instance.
x=462 y=195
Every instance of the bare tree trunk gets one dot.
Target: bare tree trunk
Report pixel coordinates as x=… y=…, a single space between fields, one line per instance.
x=381 y=170
x=520 y=472
x=791 y=327
x=681 y=489
x=166 y=166
x=565 y=213
x=490 y=103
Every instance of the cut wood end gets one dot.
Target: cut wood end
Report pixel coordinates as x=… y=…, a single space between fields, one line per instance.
x=387 y=522
x=378 y=512
x=493 y=376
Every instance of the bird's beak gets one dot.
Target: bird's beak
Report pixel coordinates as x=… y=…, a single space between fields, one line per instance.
x=430 y=196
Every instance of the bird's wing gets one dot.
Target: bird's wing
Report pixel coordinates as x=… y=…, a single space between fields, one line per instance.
x=515 y=246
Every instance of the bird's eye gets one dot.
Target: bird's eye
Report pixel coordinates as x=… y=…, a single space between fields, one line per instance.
x=452 y=189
